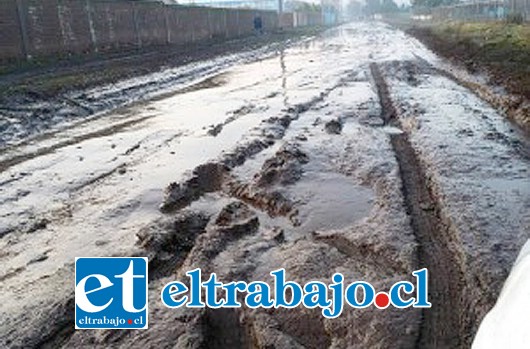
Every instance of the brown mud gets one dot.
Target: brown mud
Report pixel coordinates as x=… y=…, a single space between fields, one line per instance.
x=367 y=167
x=240 y=234
x=499 y=56
x=445 y=324
x=38 y=98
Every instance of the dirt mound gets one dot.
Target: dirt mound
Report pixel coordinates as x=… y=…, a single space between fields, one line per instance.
x=333 y=127
x=168 y=241
x=272 y=202
x=284 y=168
x=205 y=178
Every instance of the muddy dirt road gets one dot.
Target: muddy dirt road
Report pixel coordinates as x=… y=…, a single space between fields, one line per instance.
x=356 y=152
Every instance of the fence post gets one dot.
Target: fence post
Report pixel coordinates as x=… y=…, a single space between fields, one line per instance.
x=136 y=26
x=225 y=22
x=64 y=35
x=23 y=29
x=168 y=30
x=192 y=28
x=91 y=28
x=209 y=20
x=237 y=23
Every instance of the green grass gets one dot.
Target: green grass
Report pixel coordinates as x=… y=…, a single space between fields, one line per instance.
x=501 y=48
x=495 y=42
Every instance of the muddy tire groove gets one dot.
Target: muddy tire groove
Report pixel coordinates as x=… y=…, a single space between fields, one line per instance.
x=58 y=330
x=17 y=159
x=360 y=253
x=446 y=324
x=210 y=176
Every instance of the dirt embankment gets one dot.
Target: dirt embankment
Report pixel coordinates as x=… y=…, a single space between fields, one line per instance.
x=500 y=50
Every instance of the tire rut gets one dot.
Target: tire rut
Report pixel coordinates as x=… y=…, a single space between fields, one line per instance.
x=18 y=159
x=446 y=324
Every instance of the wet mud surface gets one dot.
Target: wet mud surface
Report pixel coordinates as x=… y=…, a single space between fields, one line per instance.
x=350 y=152
x=45 y=98
x=491 y=61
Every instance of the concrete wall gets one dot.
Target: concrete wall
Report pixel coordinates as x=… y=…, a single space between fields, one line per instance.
x=49 y=28
x=302 y=19
x=287 y=20
x=10 y=36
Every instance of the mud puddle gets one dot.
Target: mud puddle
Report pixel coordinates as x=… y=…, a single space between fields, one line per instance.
x=329 y=201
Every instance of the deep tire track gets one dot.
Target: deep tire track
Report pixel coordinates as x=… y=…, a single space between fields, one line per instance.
x=446 y=324
x=18 y=159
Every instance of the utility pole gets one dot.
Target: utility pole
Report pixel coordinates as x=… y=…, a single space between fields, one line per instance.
x=280 y=12
x=322 y=12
